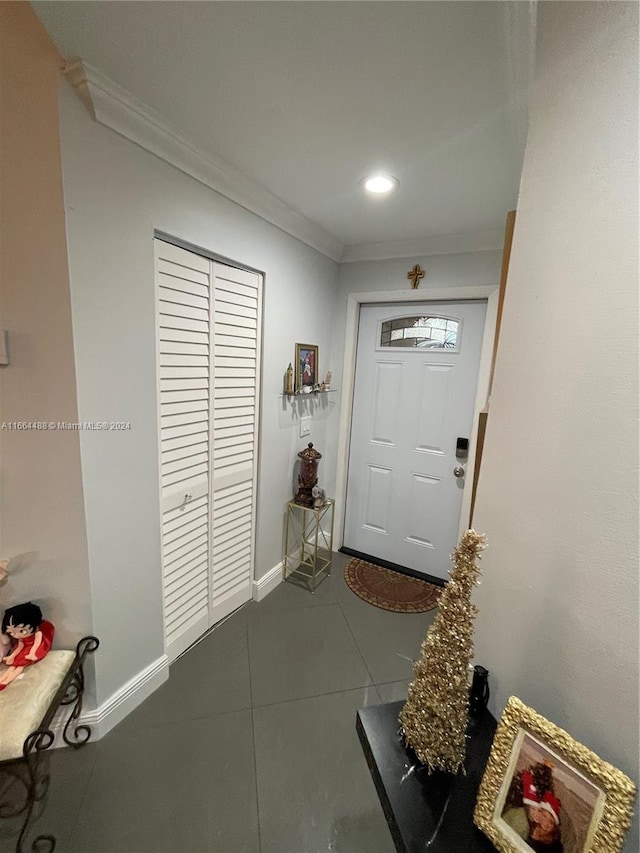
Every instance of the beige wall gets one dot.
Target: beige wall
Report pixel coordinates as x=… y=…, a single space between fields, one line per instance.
x=558 y=493
x=42 y=524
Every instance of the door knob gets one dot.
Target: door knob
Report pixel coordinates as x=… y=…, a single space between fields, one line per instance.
x=458 y=471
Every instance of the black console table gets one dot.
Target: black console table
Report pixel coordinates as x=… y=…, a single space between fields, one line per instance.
x=426 y=813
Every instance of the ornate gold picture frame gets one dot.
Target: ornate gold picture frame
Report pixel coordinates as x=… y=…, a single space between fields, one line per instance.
x=543 y=790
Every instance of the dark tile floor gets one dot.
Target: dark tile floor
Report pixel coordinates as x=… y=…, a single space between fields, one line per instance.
x=250 y=746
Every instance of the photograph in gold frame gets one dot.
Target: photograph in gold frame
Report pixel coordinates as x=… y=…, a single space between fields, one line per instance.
x=544 y=791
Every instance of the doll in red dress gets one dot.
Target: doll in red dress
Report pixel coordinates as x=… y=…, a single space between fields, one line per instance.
x=30 y=636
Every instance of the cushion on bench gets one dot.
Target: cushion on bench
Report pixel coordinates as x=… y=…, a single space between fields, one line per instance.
x=25 y=701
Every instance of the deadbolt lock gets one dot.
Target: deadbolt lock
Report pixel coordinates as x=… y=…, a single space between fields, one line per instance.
x=462 y=447
x=458 y=471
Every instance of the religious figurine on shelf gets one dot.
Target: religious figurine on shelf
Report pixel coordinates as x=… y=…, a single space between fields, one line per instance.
x=319 y=497
x=288 y=380
x=308 y=476
x=307 y=372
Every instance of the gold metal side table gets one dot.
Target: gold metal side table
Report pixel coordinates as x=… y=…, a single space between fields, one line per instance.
x=308 y=540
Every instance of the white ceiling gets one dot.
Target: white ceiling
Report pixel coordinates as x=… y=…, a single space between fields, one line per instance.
x=307 y=97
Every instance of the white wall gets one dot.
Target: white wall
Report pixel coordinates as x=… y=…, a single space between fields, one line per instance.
x=41 y=499
x=455 y=270
x=116 y=194
x=465 y=269
x=558 y=492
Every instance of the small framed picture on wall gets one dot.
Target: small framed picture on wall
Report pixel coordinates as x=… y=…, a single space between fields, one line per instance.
x=306 y=367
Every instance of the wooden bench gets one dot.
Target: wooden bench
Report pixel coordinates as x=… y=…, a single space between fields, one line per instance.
x=27 y=709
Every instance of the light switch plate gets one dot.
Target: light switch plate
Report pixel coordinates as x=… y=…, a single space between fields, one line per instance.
x=305 y=427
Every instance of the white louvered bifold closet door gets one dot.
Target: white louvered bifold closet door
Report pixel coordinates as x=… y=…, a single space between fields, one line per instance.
x=235 y=416
x=207 y=517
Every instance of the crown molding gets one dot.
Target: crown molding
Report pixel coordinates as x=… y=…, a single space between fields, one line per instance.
x=446 y=244
x=115 y=108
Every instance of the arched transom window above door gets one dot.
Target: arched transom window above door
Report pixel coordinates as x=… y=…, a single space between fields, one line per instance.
x=425 y=332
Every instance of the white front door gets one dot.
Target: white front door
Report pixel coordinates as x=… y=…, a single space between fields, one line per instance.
x=415 y=387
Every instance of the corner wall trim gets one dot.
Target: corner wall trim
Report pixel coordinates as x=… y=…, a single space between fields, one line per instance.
x=267 y=583
x=117 y=109
x=120 y=704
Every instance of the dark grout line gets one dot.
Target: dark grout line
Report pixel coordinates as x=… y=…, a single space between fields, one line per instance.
x=297 y=607
x=355 y=641
x=201 y=718
x=315 y=696
x=253 y=735
x=83 y=797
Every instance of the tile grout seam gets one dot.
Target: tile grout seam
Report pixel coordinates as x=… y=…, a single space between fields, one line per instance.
x=85 y=794
x=253 y=734
x=357 y=645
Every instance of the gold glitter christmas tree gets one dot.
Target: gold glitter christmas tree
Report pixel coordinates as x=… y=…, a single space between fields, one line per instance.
x=434 y=718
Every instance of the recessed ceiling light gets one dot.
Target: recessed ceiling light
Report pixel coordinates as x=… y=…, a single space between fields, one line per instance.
x=380 y=183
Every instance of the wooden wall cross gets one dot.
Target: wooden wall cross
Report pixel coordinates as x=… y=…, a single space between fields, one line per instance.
x=415 y=275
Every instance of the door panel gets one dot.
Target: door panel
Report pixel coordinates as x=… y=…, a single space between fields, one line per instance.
x=411 y=403
x=378 y=495
x=386 y=399
x=237 y=313
x=184 y=442
x=435 y=397
x=208 y=367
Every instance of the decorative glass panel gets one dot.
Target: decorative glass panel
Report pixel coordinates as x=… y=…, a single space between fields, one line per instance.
x=427 y=332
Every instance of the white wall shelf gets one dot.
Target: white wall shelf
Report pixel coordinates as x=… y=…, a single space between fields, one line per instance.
x=310 y=395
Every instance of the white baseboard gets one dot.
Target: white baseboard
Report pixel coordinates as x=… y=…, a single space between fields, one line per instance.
x=141 y=686
x=119 y=705
x=267 y=583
